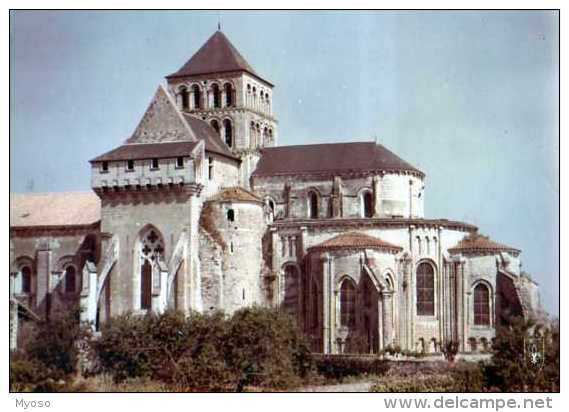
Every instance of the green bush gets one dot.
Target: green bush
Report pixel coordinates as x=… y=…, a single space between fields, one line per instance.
x=510 y=370
x=49 y=359
x=124 y=347
x=339 y=367
x=264 y=347
x=54 y=341
x=256 y=346
x=416 y=383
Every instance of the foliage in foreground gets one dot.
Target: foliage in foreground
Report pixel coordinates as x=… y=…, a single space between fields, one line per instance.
x=509 y=369
x=256 y=346
x=49 y=358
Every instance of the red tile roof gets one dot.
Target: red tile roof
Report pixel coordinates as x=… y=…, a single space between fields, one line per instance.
x=331 y=157
x=356 y=240
x=482 y=244
x=54 y=209
x=217 y=55
x=138 y=151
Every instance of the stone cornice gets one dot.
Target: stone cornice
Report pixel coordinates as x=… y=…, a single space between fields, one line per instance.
x=374 y=222
x=41 y=231
x=221 y=111
x=148 y=191
x=330 y=174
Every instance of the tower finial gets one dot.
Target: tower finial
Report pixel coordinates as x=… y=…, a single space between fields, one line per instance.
x=219 y=20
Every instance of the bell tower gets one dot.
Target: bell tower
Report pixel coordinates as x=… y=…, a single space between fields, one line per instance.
x=218 y=86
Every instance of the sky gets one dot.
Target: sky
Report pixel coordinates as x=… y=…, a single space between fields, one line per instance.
x=470 y=98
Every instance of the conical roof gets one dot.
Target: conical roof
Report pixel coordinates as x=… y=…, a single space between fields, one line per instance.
x=217 y=55
x=356 y=240
x=477 y=243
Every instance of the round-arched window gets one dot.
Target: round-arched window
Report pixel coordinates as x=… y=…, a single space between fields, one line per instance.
x=347 y=303
x=481 y=305
x=425 y=290
x=70 y=280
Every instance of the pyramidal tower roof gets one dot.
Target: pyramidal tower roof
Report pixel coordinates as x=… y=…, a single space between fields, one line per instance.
x=217 y=55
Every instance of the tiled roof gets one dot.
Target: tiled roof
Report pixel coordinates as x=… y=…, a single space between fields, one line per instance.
x=479 y=243
x=204 y=131
x=137 y=151
x=331 y=157
x=54 y=209
x=355 y=240
x=217 y=55
x=236 y=193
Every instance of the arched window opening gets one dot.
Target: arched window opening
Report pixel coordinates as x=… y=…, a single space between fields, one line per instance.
x=197 y=96
x=70 y=279
x=313 y=205
x=216 y=96
x=228 y=132
x=291 y=283
x=367 y=201
x=252 y=135
x=271 y=204
x=425 y=290
x=151 y=250
x=315 y=301
x=26 y=279
x=348 y=304
x=265 y=135
x=228 y=95
x=215 y=124
x=146 y=286
x=230 y=215
x=481 y=305
x=210 y=168
x=185 y=98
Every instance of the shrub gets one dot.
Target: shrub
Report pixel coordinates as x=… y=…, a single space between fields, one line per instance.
x=50 y=355
x=415 y=383
x=339 y=367
x=264 y=347
x=510 y=370
x=450 y=349
x=205 y=352
x=26 y=373
x=53 y=341
x=124 y=347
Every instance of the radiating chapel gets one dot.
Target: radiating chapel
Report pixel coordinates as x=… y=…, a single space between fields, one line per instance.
x=201 y=210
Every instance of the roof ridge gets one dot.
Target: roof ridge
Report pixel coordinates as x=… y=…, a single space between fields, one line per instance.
x=317 y=144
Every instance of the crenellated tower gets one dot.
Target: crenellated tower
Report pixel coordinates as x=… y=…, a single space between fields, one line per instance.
x=218 y=85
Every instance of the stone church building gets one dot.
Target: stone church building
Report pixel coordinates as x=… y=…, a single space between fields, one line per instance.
x=201 y=210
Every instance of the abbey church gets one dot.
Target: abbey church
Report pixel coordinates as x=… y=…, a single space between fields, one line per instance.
x=201 y=210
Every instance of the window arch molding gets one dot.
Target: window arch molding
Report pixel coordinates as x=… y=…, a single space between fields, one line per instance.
x=313 y=202
x=271 y=207
x=482 y=311
x=150 y=248
x=366 y=201
x=290 y=284
x=197 y=91
x=26 y=275
x=229 y=89
x=228 y=132
x=216 y=123
x=389 y=280
x=425 y=288
x=347 y=291
x=215 y=89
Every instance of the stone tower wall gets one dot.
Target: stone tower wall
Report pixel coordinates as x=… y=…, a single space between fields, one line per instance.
x=231 y=255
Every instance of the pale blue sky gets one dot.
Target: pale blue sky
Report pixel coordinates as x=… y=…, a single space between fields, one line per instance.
x=470 y=98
